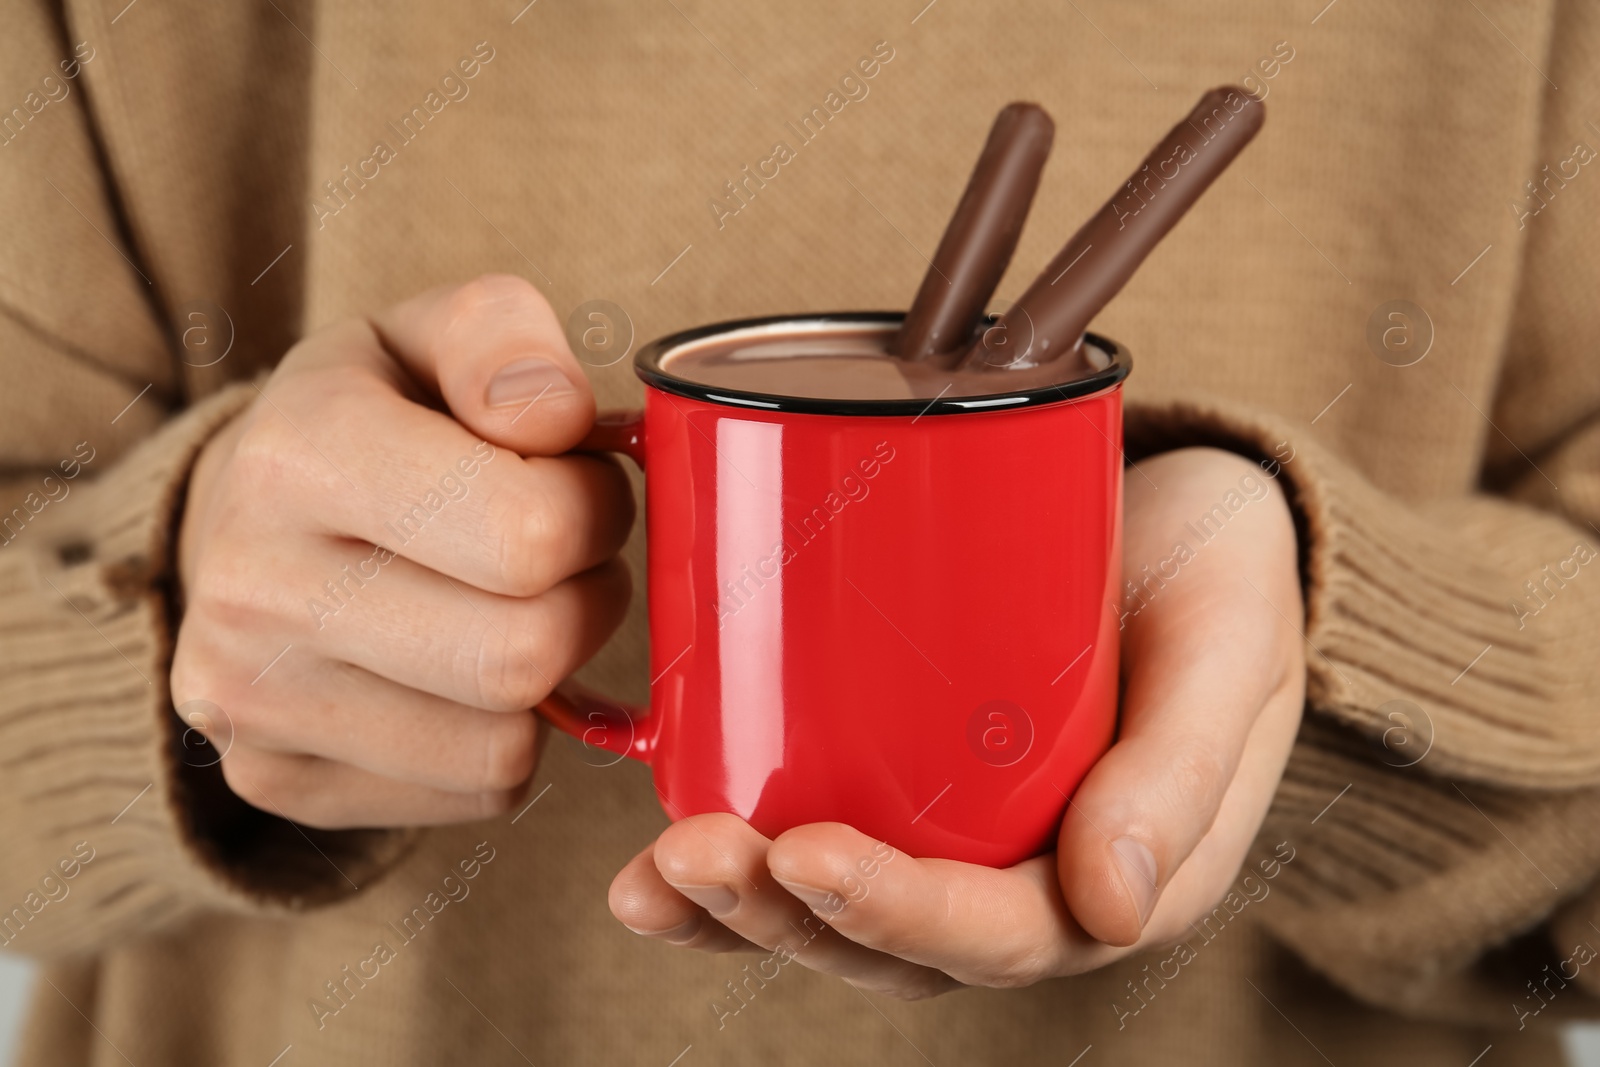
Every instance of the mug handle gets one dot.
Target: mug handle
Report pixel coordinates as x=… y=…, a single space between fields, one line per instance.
x=589 y=716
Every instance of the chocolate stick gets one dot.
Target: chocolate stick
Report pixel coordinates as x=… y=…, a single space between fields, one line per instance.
x=1100 y=258
x=982 y=234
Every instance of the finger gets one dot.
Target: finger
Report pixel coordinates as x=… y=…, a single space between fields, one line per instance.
x=476 y=648
x=495 y=352
x=719 y=862
x=348 y=715
x=978 y=925
x=1197 y=682
x=642 y=901
x=336 y=796
x=428 y=490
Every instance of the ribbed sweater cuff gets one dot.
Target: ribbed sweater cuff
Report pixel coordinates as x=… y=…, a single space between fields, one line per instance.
x=87 y=729
x=1415 y=894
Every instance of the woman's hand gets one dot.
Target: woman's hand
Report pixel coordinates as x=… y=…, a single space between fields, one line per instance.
x=378 y=585
x=1214 y=674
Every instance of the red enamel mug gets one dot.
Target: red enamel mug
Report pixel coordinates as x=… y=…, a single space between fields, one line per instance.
x=895 y=614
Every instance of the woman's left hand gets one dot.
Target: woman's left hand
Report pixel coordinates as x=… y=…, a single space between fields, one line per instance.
x=1214 y=674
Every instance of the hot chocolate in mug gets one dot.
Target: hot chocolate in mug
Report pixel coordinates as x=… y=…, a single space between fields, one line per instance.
x=898 y=614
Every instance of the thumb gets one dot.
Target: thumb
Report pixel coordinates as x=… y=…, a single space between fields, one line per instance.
x=494 y=352
x=1188 y=711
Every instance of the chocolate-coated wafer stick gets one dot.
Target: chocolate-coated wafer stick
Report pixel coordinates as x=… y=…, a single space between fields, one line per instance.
x=1100 y=258
x=978 y=243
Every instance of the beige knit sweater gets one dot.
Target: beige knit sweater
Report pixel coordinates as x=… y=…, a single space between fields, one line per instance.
x=169 y=158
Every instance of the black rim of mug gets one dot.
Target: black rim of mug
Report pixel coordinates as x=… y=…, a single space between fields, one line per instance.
x=647 y=364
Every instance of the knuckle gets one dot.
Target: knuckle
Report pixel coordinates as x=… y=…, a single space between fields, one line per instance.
x=1195 y=776
x=190 y=677
x=271 y=454
x=337 y=388
x=266 y=455
x=494 y=292
x=227 y=593
x=526 y=533
x=509 y=753
x=507 y=678
x=195 y=678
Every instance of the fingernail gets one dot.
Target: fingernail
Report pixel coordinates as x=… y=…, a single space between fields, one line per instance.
x=717 y=899
x=1138 y=873
x=678 y=935
x=525 y=381
x=812 y=897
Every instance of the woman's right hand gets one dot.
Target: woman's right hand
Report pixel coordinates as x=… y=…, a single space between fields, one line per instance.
x=378 y=586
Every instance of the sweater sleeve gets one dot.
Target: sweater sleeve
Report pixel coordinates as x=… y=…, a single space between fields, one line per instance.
x=107 y=827
x=111 y=823
x=1443 y=793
